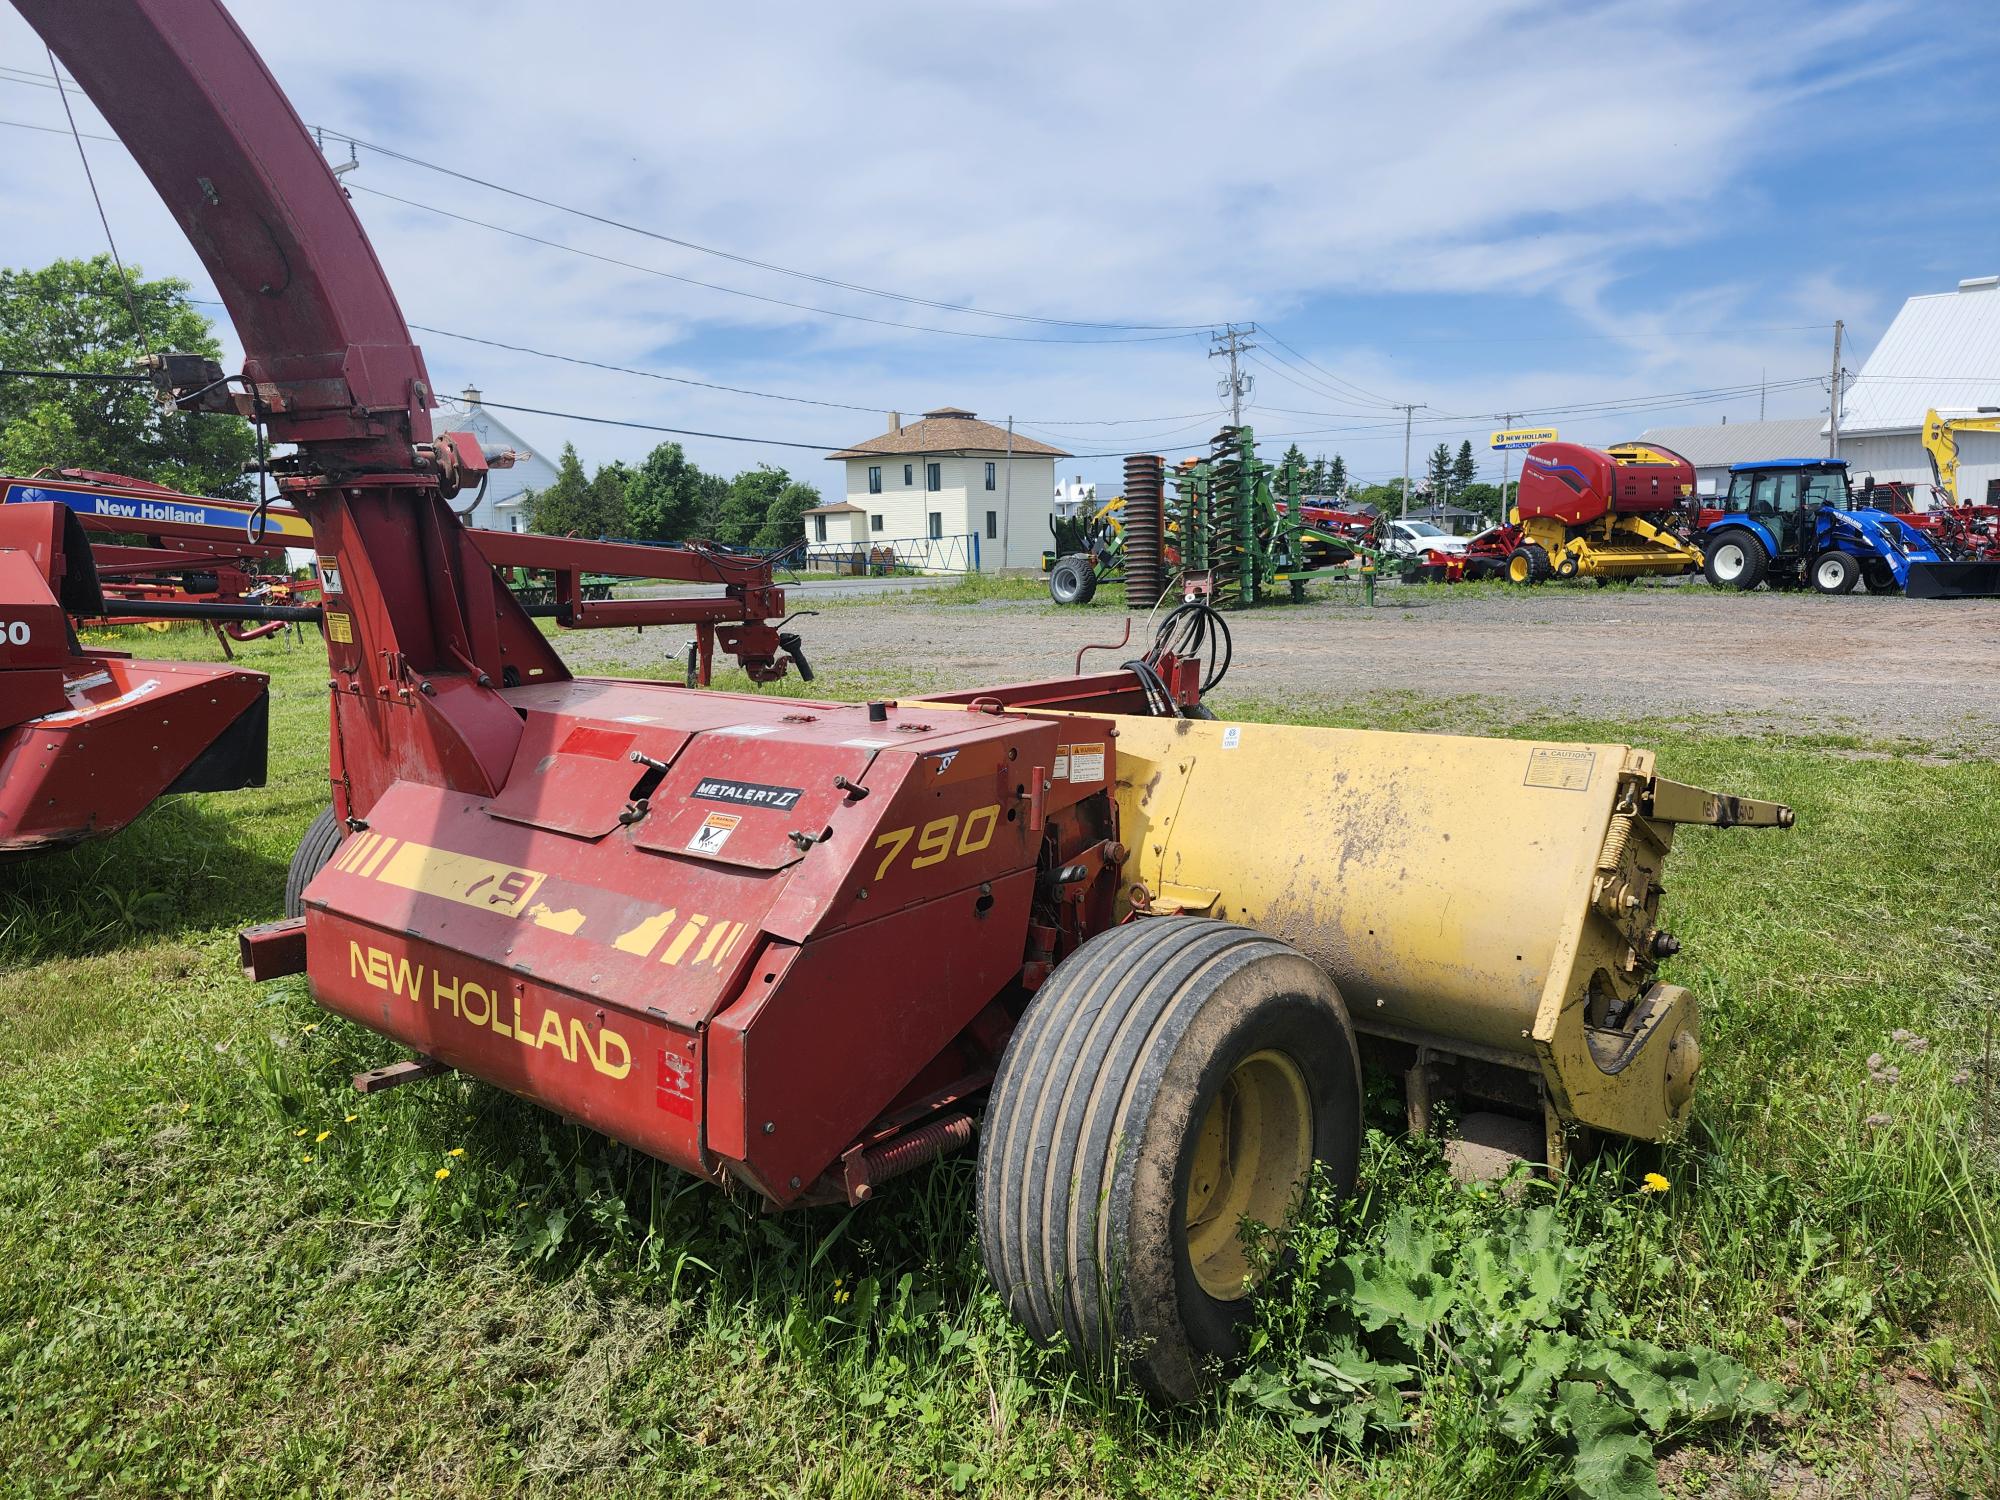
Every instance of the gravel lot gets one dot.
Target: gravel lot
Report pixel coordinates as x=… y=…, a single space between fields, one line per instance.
x=1880 y=669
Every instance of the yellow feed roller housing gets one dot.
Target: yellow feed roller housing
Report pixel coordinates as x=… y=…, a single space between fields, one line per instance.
x=1492 y=905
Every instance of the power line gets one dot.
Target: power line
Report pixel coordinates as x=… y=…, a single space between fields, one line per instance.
x=124 y=281
x=762 y=265
x=825 y=312
x=723 y=437
x=1338 y=380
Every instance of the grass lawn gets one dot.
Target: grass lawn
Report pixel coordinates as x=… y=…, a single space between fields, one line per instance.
x=223 y=1271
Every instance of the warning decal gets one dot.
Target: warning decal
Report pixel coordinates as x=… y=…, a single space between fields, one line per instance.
x=713 y=832
x=674 y=1088
x=329 y=575
x=339 y=627
x=1079 y=762
x=1566 y=768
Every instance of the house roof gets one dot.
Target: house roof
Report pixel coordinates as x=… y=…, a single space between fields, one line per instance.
x=843 y=508
x=1942 y=351
x=1719 y=446
x=949 y=429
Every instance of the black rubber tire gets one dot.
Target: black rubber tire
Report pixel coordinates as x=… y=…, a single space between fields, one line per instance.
x=1073 y=580
x=1756 y=562
x=1528 y=564
x=1566 y=568
x=1835 y=572
x=315 y=849
x=1091 y=1132
x=1877 y=578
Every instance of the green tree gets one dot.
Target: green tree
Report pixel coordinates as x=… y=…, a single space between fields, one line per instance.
x=72 y=315
x=663 y=496
x=1336 y=477
x=563 y=509
x=1316 y=476
x=1386 y=498
x=1437 y=474
x=1294 y=458
x=784 y=522
x=1464 y=470
x=607 y=511
x=711 y=494
x=1482 y=498
x=748 y=503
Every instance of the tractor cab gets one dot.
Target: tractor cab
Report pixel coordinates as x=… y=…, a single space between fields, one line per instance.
x=1782 y=499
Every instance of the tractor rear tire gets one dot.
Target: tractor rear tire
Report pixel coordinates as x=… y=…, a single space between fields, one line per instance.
x=1173 y=1077
x=1073 y=580
x=314 y=850
x=1835 y=572
x=1878 y=578
x=1528 y=564
x=1735 y=559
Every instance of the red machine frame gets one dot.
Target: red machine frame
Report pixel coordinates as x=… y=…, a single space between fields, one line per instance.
x=774 y=941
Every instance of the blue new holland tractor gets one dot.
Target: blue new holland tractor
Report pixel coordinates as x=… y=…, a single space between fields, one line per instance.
x=1791 y=522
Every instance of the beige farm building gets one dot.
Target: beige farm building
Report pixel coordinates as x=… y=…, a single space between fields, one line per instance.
x=949 y=492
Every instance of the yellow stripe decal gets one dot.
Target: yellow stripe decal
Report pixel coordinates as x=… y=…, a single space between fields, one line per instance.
x=711 y=942
x=646 y=936
x=735 y=932
x=483 y=884
x=373 y=862
x=684 y=939
x=559 y=921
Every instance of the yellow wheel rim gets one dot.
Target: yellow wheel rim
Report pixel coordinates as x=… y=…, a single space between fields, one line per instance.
x=1250 y=1159
x=1517 y=569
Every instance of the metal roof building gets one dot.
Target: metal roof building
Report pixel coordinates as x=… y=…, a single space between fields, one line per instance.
x=1713 y=449
x=1941 y=352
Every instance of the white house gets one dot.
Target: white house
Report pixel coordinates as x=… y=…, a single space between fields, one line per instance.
x=949 y=492
x=1076 y=498
x=503 y=507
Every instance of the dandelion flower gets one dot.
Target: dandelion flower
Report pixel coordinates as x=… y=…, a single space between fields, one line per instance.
x=350 y=1119
x=456 y=1151
x=307 y=1160
x=184 y=1109
x=322 y=1135
x=312 y=1026
x=1653 y=1182
x=441 y=1173
x=300 y=1131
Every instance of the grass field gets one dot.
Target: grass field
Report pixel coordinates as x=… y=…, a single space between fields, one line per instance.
x=222 y=1271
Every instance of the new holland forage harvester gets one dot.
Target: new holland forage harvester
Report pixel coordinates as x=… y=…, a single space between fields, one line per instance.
x=797 y=946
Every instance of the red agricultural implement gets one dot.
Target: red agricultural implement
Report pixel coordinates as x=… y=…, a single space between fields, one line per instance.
x=798 y=947
x=89 y=738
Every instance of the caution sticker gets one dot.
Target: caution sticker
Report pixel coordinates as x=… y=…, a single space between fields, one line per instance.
x=1079 y=762
x=713 y=832
x=339 y=627
x=329 y=575
x=1564 y=768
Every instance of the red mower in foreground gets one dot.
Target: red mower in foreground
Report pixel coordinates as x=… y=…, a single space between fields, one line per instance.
x=90 y=738
x=800 y=947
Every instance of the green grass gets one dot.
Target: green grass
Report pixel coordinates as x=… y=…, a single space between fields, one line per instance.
x=197 y=1292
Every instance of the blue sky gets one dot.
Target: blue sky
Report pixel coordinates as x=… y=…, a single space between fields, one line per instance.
x=1484 y=207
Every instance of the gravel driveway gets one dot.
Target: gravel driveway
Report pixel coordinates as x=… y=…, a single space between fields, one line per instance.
x=1881 y=669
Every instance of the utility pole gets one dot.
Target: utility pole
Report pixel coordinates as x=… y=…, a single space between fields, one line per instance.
x=1410 y=408
x=1236 y=386
x=1007 y=502
x=1833 y=426
x=1507 y=420
x=1763 y=385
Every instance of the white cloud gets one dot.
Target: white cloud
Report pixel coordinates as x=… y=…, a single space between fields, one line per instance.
x=1171 y=162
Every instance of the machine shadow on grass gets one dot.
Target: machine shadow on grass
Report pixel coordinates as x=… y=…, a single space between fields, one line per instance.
x=184 y=867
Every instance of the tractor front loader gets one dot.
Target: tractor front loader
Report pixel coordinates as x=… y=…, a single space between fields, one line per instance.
x=801 y=947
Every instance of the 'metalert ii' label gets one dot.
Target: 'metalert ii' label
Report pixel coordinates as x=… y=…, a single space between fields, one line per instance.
x=747 y=793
